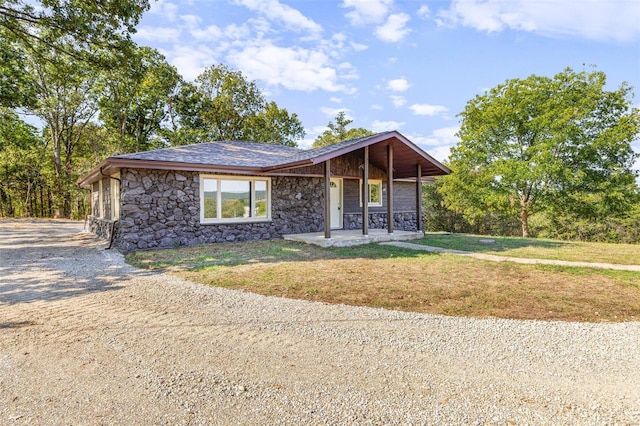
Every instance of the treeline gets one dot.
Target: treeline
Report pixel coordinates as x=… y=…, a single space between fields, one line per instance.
x=74 y=68
x=544 y=156
x=624 y=228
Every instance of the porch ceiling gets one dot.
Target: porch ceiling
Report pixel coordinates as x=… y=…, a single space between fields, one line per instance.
x=405 y=160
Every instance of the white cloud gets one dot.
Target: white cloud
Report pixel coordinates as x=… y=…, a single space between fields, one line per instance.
x=335 y=100
x=394 y=29
x=590 y=19
x=439 y=143
x=237 y=32
x=376 y=107
x=426 y=109
x=211 y=33
x=423 y=12
x=161 y=34
x=358 y=47
x=191 y=61
x=164 y=8
x=398 y=85
x=337 y=46
x=294 y=68
x=397 y=100
x=191 y=20
x=292 y=18
x=367 y=11
x=306 y=143
x=385 y=126
x=332 y=112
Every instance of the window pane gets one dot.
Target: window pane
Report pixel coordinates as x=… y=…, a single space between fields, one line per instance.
x=261 y=199
x=210 y=199
x=374 y=193
x=236 y=198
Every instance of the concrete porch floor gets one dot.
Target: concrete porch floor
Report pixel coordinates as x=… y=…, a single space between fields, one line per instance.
x=353 y=237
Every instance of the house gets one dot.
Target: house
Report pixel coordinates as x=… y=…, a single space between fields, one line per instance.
x=240 y=191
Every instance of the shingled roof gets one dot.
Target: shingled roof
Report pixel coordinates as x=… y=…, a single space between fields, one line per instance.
x=223 y=153
x=251 y=157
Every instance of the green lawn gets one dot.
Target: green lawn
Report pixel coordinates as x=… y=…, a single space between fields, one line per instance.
x=408 y=280
x=538 y=248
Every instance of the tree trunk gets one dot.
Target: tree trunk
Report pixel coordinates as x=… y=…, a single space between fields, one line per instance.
x=524 y=221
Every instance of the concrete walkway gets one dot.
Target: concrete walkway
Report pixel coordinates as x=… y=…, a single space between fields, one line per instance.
x=496 y=258
x=352 y=237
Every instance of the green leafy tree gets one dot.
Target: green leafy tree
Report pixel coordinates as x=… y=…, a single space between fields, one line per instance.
x=65 y=101
x=338 y=132
x=540 y=143
x=221 y=104
x=94 y=32
x=133 y=99
x=21 y=166
x=274 y=125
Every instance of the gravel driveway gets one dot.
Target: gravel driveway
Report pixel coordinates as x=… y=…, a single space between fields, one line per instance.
x=86 y=339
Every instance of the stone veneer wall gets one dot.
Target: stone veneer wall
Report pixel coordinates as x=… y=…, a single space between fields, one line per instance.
x=402 y=221
x=162 y=209
x=101 y=227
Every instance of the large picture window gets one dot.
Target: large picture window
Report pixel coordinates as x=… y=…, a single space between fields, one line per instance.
x=374 y=193
x=234 y=199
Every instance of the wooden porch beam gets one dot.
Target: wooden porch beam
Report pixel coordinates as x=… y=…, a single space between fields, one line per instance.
x=365 y=193
x=390 y=188
x=419 y=197
x=327 y=199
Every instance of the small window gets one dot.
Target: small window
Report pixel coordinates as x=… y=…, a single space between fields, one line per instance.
x=234 y=199
x=374 y=193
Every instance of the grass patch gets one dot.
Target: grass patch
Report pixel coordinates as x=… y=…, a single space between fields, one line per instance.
x=407 y=280
x=534 y=248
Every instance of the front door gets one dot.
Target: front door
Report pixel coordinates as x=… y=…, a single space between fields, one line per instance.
x=336 y=203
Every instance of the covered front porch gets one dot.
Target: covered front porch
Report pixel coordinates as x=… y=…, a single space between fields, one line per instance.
x=353 y=237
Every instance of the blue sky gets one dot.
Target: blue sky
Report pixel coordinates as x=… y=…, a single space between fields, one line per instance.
x=395 y=65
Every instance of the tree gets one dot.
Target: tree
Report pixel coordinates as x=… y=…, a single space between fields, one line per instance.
x=274 y=125
x=540 y=143
x=94 y=32
x=338 y=132
x=66 y=102
x=21 y=159
x=221 y=104
x=133 y=99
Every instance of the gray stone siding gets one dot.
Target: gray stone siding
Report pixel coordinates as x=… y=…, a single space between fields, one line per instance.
x=402 y=221
x=162 y=209
x=101 y=227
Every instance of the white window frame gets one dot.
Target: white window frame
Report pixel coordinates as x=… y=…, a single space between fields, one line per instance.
x=372 y=182
x=219 y=218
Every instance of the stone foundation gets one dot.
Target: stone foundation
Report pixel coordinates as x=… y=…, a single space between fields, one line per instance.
x=102 y=227
x=404 y=221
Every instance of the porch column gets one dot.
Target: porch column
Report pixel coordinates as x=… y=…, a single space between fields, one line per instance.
x=365 y=193
x=327 y=199
x=419 y=197
x=390 y=188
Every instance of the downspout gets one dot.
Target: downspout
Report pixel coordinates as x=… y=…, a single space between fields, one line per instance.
x=112 y=233
x=109 y=176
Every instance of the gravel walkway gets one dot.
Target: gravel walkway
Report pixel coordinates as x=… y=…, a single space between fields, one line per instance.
x=86 y=339
x=497 y=258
